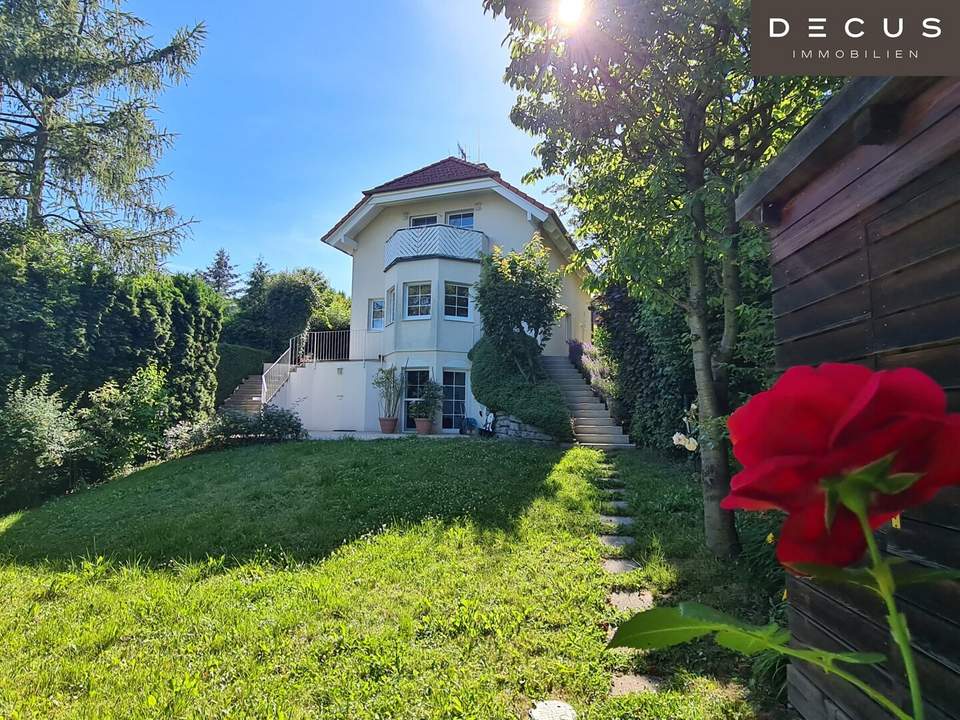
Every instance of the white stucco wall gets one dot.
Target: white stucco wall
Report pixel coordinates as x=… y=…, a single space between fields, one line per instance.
x=339 y=395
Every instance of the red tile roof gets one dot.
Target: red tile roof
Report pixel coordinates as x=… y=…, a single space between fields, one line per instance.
x=448 y=170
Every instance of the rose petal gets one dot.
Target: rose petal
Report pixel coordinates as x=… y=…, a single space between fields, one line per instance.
x=805 y=539
x=785 y=483
x=887 y=395
x=797 y=415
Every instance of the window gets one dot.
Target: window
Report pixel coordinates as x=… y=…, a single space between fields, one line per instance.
x=454 y=399
x=456 y=300
x=461 y=219
x=413 y=389
x=417 y=300
x=391 y=305
x=423 y=221
x=375 y=313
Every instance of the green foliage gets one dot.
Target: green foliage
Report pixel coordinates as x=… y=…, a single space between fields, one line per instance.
x=497 y=384
x=427 y=405
x=79 y=140
x=222 y=275
x=38 y=439
x=517 y=296
x=232 y=429
x=649 y=355
x=234 y=364
x=389 y=384
x=64 y=314
x=279 y=306
x=124 y=426
x=663 y=627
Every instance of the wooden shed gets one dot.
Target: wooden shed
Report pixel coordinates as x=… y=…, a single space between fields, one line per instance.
x=863 y=212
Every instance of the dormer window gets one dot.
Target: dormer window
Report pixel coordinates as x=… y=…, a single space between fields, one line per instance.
x=461 y=219
x=422 y=220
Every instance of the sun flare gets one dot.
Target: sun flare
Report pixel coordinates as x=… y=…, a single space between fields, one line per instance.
x=570 y=12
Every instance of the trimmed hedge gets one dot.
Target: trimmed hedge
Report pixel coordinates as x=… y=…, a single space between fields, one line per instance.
x=63 y=313
x=498 y=384
x=236 y=363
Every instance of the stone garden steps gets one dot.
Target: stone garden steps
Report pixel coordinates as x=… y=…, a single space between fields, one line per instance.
x=592 y=425
x=246 y=397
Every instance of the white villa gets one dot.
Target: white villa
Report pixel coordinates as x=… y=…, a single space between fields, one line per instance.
x=415 y=243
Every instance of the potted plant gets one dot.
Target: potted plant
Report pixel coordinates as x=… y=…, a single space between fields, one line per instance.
x=424 y=409
x=389 y=384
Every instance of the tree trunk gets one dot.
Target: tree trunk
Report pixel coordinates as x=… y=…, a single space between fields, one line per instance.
x=38 y=172
x=730 y=281
x=719 y=527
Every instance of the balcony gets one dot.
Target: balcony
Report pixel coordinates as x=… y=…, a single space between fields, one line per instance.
x=434 y=241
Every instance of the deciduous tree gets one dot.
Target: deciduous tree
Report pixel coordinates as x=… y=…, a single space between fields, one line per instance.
x=652 y=104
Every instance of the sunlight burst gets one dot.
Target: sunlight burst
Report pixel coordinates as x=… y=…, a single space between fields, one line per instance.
x=570 y=12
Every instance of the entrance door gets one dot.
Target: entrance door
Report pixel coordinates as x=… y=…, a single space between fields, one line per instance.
x=454 y=399
x=413 y=389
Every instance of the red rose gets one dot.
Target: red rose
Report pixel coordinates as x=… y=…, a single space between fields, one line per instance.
x=827 y=421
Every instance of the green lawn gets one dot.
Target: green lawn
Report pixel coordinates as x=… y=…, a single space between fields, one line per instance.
x=392 y=579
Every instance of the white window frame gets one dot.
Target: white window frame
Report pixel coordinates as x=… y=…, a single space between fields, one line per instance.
x=371 y=315
x=406 y=302
x=466 y=396
x=435 y=216
x=456 y=318
x=390 y=309
x=472 y=214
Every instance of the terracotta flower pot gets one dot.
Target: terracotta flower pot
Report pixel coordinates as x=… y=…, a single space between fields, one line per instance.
x=388 y=426
x=424 y=426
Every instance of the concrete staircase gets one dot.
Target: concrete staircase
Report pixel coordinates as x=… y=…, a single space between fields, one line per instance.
x=593 y=426
x=246 y=398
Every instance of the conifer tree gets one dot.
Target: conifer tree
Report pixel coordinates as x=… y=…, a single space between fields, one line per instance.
x=221 y=275
x=78 y=143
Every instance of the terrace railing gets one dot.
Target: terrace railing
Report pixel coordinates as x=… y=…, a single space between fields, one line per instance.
x=434 y=241
x=321 y=346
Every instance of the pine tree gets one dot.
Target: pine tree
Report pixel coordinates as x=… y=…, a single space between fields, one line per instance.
x=78 y=141
x=256 y=289
x=222 y=275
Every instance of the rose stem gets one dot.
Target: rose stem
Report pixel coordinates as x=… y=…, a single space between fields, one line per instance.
x=898 y=624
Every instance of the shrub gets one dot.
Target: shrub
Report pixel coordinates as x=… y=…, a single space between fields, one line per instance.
x=64 y=314
x=237 y=362
x=517 y=296
x=124 y=426
x=389 y=384
x=498 y=384
x=427 y=405
x=231 y=429
x=38 y=439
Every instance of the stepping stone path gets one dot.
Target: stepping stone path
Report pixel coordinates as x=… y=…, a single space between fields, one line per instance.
x=552 y=710
x=620 y=565
x=617 y=505
x=616 y=541
x=629 y=684
x=618 y=521
x=631 y=601
x=624 y=601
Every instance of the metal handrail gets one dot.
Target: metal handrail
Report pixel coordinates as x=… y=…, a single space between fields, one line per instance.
x=275 y=376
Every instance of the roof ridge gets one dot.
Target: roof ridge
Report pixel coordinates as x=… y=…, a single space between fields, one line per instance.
x=482 y=167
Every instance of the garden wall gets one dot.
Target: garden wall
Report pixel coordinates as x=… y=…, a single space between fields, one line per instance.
x=863 y=211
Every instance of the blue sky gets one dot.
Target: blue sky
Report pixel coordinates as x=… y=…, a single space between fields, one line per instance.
x=295 y=107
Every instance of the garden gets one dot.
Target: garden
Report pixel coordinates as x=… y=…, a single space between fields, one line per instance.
x=164 y=557
x=401 y=578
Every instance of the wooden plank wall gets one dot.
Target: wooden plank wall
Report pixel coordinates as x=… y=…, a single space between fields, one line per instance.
x=866 y=269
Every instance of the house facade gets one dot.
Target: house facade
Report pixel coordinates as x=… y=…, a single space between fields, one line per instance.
x=416 y=243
